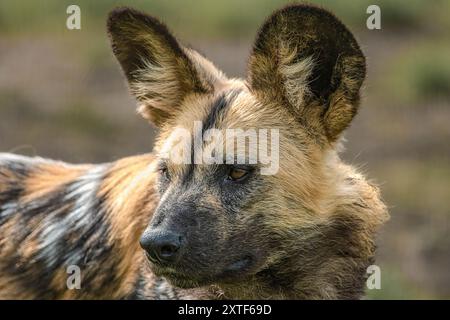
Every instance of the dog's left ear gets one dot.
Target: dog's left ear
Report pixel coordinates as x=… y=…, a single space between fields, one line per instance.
x=160 y=71
x=305 y=59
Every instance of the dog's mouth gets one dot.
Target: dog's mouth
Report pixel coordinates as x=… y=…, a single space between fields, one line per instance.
x=183 y=278
x=239 y=267
x=180 y=280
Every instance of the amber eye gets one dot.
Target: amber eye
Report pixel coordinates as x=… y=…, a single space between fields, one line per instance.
x=236 y=174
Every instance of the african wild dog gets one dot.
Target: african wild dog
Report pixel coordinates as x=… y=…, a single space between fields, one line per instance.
x=209 y=231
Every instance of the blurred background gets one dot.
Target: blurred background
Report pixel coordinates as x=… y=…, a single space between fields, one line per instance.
x=62 y=96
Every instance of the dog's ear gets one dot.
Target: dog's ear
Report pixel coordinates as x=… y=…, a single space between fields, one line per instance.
x=160 y=71
x=304 y=58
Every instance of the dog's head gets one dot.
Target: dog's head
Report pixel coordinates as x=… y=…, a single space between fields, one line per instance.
x=221 y=220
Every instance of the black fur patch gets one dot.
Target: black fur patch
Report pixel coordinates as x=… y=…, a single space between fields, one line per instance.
x=219 y=108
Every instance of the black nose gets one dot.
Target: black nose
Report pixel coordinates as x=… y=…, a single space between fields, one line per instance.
x=161 y=247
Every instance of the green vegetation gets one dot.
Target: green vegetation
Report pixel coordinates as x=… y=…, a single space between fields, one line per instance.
x=231 y=18
x=417 y=185
x=394 y=285
x=420 y=72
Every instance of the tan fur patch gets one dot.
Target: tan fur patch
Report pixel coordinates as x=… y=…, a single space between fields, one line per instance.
x=46 y=178
x=130 y=200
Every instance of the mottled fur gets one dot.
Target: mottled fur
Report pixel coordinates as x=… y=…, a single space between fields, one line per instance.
x=306 y=232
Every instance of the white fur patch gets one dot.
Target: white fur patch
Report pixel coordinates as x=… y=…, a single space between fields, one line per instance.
x=295 y=76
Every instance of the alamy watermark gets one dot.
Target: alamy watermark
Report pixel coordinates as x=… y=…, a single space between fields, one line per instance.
x=374 y=20
x=73 y=21
x=374 y=280
x=74 y=277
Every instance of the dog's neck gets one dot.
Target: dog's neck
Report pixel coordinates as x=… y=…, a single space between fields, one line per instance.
x=328 y=265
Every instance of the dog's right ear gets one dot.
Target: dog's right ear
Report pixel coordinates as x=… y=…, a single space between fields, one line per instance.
x=305 y=59
x=160 y=72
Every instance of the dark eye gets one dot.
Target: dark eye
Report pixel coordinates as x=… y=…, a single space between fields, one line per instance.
x=164 y=172
x=237 y=174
